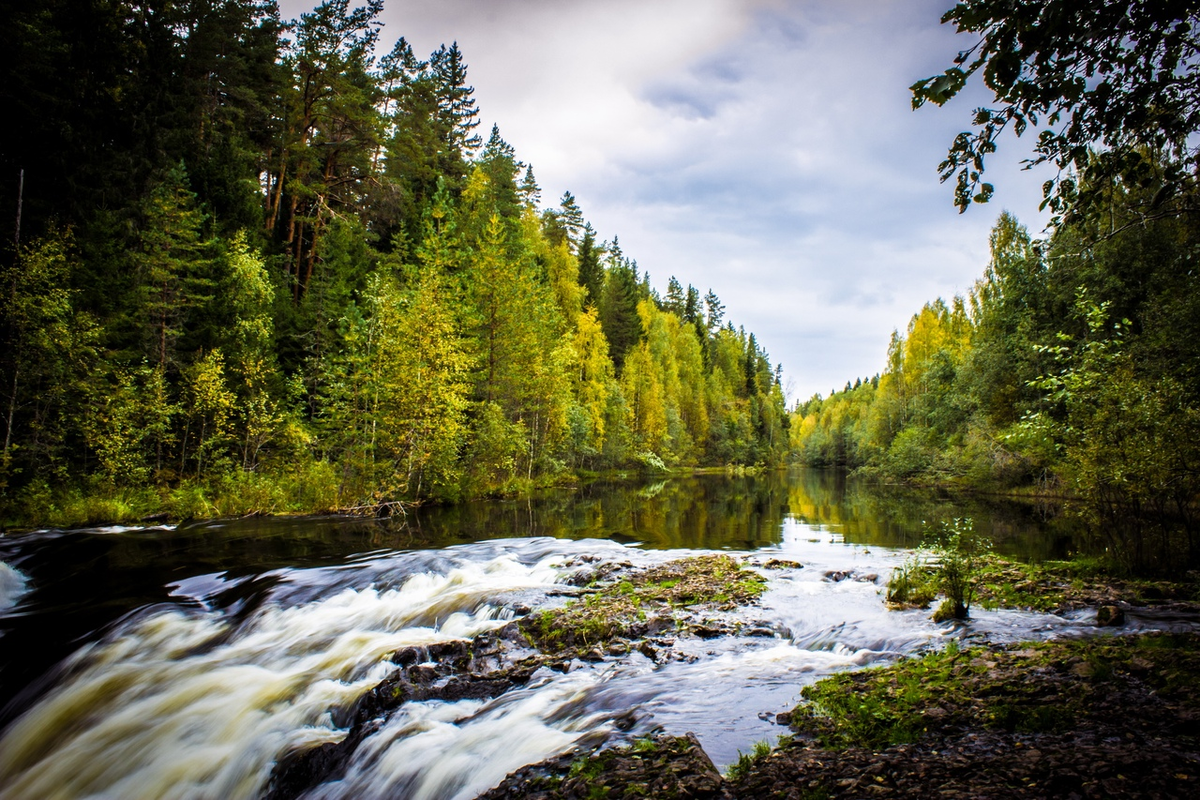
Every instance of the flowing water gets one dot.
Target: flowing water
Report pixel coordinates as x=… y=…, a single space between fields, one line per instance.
x=185 y=662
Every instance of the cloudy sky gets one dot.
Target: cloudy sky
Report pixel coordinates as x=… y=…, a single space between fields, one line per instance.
x=765 y=149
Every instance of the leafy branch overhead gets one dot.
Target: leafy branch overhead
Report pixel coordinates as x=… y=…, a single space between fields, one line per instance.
x=1111 y=87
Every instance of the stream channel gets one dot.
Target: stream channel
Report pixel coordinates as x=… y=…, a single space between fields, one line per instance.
x=186 y=661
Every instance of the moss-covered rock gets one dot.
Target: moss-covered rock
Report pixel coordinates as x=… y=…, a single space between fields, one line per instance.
x=629 y=605
x=653 y=767
x=1038 y=687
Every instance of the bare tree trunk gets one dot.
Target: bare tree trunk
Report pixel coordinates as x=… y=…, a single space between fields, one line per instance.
x=20 y=202
x=12 y=410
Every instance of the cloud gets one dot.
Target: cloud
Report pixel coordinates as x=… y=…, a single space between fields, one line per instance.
x=762 y=148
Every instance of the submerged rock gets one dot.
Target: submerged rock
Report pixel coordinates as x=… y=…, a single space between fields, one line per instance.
x=446 y=671
x=1110 y=616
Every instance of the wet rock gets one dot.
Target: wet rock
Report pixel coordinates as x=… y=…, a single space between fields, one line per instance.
x=1140 y=666
x=1110 y=616
x=659 y=766
x=836 y=576
x=706 y=630
x=765 y=633
x=441 y=671
x=782 y=563
x=657 y=624
x=1083 y=669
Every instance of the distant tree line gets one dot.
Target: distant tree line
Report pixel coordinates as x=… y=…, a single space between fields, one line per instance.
x=1072 y=366
x=256 y=265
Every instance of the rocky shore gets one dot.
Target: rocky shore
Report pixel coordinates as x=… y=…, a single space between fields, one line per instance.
x=1101 y=717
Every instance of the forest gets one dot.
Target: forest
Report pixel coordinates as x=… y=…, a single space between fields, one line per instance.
x=264 y=266
x=1071 y=368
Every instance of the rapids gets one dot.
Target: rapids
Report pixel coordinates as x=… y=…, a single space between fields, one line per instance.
x=197 y=689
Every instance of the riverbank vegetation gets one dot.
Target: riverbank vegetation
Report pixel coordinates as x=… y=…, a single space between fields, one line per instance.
x=264 y=266
x=1071 y=366
x=1110 y=716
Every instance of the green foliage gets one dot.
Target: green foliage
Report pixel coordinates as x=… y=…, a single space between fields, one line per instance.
x=956 y=550
x=741 y=768
x=292 y=251
x=912 y=584
x=1065 y=370
x=951 y=564
x=1043 y=688
x=1086 y=73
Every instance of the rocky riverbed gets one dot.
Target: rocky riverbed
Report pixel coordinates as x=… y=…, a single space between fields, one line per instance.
x=1097 y=717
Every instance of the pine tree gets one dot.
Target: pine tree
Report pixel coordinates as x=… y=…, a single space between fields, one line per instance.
x=499 y=163
x=715 y=311
x=172 y=265
x=457 y=114
x=571 y=218
x=691 y=306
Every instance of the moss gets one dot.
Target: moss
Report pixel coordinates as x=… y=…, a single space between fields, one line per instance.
x=948 y=610
x=626 y=608
x=1048 y=586
x=912 y=585
x=1040 y=688
x=1009 y=584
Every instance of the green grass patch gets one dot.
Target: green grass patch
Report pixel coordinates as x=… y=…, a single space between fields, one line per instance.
x=745 y=762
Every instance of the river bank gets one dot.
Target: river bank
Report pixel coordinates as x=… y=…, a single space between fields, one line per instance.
x=437 y=654
x=1111 y=716
x=308 y=489
x=1118 y=717
x=1048 y=719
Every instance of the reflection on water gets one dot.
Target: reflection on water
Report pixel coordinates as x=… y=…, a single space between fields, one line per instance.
x=746 y=512
x=147 y=660
x=83 y=581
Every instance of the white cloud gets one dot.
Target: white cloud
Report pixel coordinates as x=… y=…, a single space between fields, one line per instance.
x=764 y=149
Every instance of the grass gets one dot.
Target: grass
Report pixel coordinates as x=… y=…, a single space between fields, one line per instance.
x=745 y=762
x=298 y=488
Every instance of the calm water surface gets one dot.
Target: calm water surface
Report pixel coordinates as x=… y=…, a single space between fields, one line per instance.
x=183 y=662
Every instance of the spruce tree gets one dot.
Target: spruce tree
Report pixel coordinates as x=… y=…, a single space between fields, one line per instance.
x=591 y=271
x=674 y=301
x=618 y=311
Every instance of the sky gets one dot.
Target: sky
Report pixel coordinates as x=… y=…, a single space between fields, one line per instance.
x=764 y=149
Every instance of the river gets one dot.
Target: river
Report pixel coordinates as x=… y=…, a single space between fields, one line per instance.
x=185 y=661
